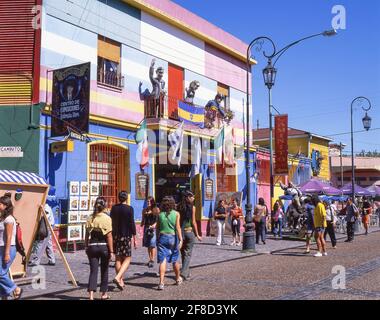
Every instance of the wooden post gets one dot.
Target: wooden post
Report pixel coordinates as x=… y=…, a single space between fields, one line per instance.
x=59 y=249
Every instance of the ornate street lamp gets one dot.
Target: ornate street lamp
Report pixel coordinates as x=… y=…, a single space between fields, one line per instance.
x=367 y=122
x=269 y=73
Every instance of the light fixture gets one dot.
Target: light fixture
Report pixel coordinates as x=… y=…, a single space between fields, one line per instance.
x=269 y=74
x=367 y=122
x=330 y=33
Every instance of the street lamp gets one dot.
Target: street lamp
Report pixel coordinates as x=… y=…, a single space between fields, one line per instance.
x=269 y=74
x=365 y=104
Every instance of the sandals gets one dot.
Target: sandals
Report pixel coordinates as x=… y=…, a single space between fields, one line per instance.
x=118 y=285
x=18 y=295
x=107 y=297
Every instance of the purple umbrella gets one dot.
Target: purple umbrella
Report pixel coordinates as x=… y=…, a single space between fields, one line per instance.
x=375 y=190
x=319 y=187
x=359 y=191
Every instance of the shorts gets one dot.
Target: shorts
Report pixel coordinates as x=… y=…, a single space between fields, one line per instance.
x=365 y=219
x=122 y=246
x=167 y=248
x=320 y=229
x=149 y=241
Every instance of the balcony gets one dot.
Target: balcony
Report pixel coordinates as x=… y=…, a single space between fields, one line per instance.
x=110 y=79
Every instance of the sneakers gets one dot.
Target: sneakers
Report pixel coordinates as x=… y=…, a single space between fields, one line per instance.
x=232 y=243
x=179 y=281
x=307 y=251
x=325 y=254
x=161 y=286
x=238 y=244
x=318 y=254
x=334 y=247
x=150 y=264
x=218 y=244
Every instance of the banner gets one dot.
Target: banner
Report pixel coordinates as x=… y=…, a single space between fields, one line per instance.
x=281 y=145
x=191 y=114
x=71 y=100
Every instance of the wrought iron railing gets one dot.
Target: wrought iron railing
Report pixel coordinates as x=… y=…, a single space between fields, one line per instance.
x=110 y=79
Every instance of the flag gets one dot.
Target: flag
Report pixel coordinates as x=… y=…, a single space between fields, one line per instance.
x=176 y=142
x=142 y=155
x=191 y=114
x=218 y=146
x=229 y=148
x=196 y=168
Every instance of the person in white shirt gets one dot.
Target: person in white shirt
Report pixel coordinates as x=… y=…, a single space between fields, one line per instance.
x=45 y=244
x=330 y=219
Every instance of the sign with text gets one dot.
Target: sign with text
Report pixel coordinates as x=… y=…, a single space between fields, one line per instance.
x=11 y=152
x=71 y=100
x=281 y=144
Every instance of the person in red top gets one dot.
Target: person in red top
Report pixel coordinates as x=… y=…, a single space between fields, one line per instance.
x=236 y=213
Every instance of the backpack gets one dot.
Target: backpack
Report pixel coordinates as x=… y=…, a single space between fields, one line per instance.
x=42 y=231
x=19 y=245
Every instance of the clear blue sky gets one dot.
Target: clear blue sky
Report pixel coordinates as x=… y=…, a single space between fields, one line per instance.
x=317 y=79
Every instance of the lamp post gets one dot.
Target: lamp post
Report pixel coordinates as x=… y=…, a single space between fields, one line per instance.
x=365 y=104
x=269 y=74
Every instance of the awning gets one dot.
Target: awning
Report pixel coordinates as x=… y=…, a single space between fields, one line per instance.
x=9 y=176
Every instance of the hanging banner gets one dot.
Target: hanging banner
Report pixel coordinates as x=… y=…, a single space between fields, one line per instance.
x=281 y=145
x=71 y=100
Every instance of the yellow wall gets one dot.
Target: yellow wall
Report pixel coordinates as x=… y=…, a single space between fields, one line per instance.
x=296 y=145
x=323 y=147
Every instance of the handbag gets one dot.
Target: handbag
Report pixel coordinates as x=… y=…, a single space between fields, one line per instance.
x=257 y=218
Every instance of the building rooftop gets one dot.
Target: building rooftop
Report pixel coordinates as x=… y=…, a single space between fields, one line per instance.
x=361 y=163
x=263 y=134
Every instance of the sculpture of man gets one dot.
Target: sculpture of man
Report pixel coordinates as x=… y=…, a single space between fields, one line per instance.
x=158 y=83
x=213 y=107
x=190 y=92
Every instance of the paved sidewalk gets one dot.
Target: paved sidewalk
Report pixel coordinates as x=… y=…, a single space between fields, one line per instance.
x=205 y=253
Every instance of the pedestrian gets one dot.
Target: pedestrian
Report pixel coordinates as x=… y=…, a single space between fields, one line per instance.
x=44 y=245
x=123 y=232
x=189 y=229
x=331 y=220
x=220 y=215
x=278 y=218
x=7 y=249
x=259 y=217
x=366 y=214
x=309 y=210
x=236 y=213
x=99 y=247
x=148 y=222
x=293 y=213
x=169 y=240
x=320 y=225
x=352 y=213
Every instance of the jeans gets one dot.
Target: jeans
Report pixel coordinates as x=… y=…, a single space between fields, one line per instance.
x=96 y=254
x=278 y=227
x=221 y=228
x=350 y=231
x=7 y=286
x=43 y=245
x=330 y=230
x=186 y=251
x=260 y=230
x=235 y=228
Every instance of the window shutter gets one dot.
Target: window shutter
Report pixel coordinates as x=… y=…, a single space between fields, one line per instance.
x=109 y=49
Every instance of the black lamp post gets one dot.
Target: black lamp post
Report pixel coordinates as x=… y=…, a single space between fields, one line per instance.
x=269 y=74
x=365 y=104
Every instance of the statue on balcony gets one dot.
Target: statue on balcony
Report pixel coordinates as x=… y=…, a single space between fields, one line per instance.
x=213 y=109
x=190 y=92
x=158 y=82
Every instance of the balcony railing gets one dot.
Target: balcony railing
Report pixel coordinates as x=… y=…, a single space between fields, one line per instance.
x=109 y=78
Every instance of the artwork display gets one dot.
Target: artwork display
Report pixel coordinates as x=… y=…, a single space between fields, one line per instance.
x=94 y=188
x=84 y=188
x=73 y=203
x=83 y=203
x=74 y=188
x=73 y=217
x=74 y=233
x=84 y=231
x=209 y=189
x=142 y=186
x=92 y=203
x=84 y=215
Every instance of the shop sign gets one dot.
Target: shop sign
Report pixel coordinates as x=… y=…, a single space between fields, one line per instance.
x=11 y=152
x=142 y=186
x=209 y=189
x=281 y=145
x=71 y=99
x=62 y=146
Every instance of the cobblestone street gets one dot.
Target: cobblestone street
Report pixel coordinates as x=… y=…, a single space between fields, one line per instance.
x=279 y=270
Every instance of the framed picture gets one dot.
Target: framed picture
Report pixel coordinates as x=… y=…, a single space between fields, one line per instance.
x=74 y=188
x=73 y=217
x=92 y=203
x=83 y=203
x=209 y=189
x=83 y=216
x=74 y=233
x=84 y=188
x=73 y=203
x=84 y=231
x=94 y=188
x=142 y=186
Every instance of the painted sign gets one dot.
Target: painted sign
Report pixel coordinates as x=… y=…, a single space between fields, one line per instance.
x=281 y=144
x=11 y=152
x=71 y=100
x=142 y=186
x=209 y=188
x=62 y=146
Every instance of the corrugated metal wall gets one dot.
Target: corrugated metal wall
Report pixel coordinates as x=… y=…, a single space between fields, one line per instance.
x=17 y=44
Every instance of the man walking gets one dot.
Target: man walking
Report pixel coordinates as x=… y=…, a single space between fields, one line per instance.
x=352 y=212
x=330 y=218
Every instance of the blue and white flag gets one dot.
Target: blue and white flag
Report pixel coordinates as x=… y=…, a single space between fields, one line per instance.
x=176 y=141
x=197 y=152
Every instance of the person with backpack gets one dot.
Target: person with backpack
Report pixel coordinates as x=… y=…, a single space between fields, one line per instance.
x=8 y=231
x=44 y=241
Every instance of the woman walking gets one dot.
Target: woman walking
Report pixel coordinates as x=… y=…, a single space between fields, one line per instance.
x=366 y=213
x=260 y=219
x=99 y=247
x=236 y=214
x=220 y=218
x=7 y=249
x=278 y=216
x=320 y=225
x=169 y=240
x=149 y=221
x=124 y=232
x=189 y=231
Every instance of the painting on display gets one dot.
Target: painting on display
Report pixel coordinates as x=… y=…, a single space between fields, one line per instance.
x=74 y=233
x=83 y=203
x=73 y=216
x=73 y=203
x=84 y=188
x=94 y=188
x=209 y=189
x=74 y=188
x=142 y=186
x=92 y=203
x=84 y=215
x=84 y=231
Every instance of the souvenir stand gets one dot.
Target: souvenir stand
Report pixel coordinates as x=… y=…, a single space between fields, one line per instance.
x=28 y=193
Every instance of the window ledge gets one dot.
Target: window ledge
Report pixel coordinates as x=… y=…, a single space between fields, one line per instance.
x=110 y=87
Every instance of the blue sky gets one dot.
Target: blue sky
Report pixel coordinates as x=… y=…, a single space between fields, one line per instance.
x=317 y=79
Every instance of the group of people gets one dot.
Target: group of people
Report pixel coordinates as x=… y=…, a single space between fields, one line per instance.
x=169 y=230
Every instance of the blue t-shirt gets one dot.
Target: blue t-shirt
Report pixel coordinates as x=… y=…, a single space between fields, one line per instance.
x=309 y=216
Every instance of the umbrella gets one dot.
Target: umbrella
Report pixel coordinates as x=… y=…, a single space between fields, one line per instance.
x=375 y=190
x=359 y=191
x=319 y=187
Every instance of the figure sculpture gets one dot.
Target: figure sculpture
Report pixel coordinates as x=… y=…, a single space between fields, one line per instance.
x=212 y=110
x=190 y=92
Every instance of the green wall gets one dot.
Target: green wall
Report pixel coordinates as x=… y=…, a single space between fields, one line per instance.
x=15 y=131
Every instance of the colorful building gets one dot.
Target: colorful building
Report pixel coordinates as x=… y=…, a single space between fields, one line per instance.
x=121 y=39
